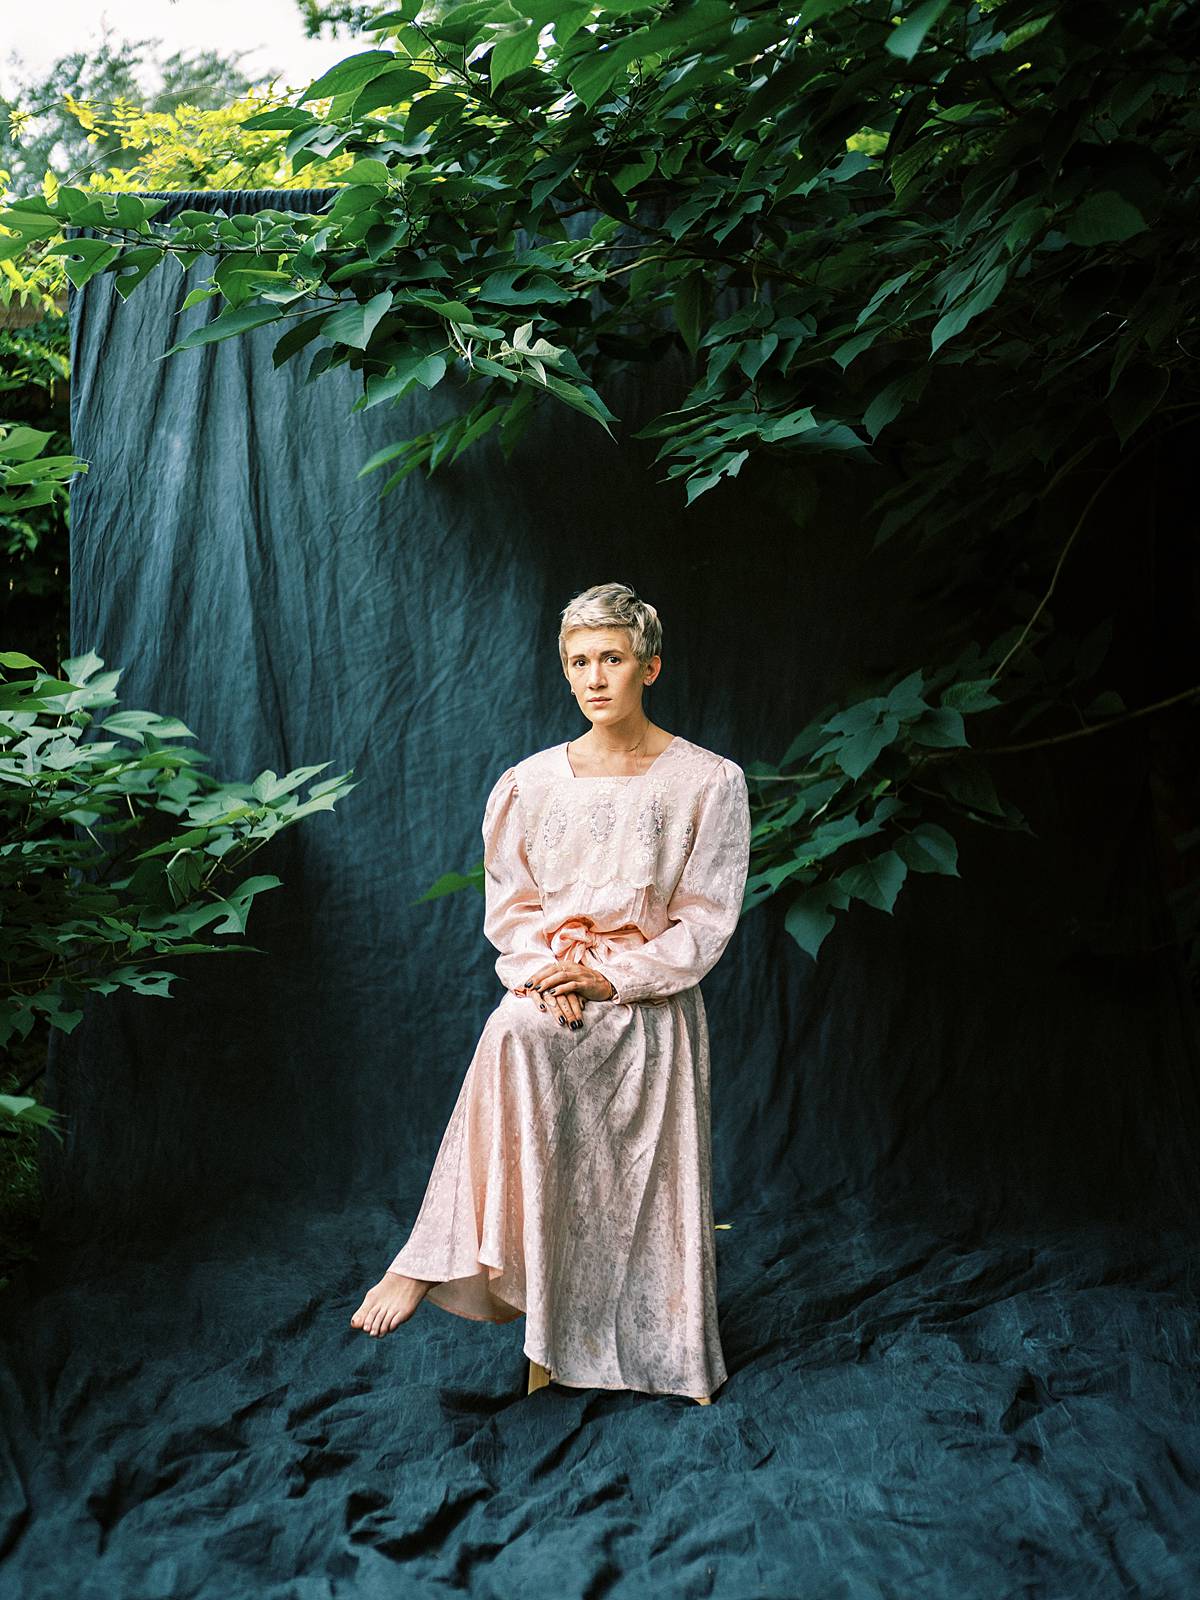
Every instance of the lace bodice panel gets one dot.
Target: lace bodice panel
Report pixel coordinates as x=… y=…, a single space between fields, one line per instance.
x=662 y=856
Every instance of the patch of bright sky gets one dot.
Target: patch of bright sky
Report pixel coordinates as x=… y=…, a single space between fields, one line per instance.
x=270 y=31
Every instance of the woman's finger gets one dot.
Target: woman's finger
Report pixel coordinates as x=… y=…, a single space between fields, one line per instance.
x=569 y=1006
x=567 y=993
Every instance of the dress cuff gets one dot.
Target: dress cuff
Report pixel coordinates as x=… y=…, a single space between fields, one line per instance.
x=615 y=995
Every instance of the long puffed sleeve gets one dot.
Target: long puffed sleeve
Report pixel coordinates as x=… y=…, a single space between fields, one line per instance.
x=512 y=918
x=707 y=901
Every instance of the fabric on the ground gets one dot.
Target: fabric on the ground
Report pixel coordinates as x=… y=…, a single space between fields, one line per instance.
x=954 y=1161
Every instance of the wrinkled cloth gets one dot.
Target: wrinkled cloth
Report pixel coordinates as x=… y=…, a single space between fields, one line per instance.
x=573 y=1180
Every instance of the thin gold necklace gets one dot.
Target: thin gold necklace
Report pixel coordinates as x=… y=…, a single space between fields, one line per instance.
x=629 y=751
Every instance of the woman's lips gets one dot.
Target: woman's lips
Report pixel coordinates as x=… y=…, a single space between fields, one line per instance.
x=602 y=701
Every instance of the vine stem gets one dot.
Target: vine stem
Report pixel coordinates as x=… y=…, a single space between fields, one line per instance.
x=1084 y=733
x=1010 y=749
x=1105 y=481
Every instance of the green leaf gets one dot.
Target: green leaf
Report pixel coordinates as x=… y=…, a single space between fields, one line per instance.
x=957 y=319
x=354 y=324
x=579 y=396
x=687 y=306
x=155 y=985
x=513 y=51
x=237 y=905
x=1104 y=218
x=269 y=787
x=349 y=76
x=84 y=258
x=941 y=726
x=451 y=883
x=21 y=1108
x=131 y=266
x=968 y=781
x=887 y=405
x=634 y=173
x=367 y=171
x=181 y=841
x=845 y=353
x=297 y=337
x=809 y=920
x=974 y=694
x=80 y=668
x=861 y=750
x=906 y=39
x=389 y=89
x=690 y=25
x=929 y=848
x=22 y=444
x=238 y=319
x=499 y=288
x=390 y=452
x=280 y=119
x=137 y=724
x=408 y=12
x=877 y=882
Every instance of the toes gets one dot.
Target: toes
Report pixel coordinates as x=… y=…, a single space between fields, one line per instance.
x=379 y=1314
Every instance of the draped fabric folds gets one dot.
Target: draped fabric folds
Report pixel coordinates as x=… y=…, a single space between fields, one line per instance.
x=955 y=1182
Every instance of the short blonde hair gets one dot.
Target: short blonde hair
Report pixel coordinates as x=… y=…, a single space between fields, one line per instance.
x=613 y=605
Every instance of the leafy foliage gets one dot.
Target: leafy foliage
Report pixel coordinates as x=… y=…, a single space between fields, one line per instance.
x=120 y=854
x=338 y=16
x=943 y=199
x=185 y=146
x=950 y=244
x=29 y=478
x=38 y=129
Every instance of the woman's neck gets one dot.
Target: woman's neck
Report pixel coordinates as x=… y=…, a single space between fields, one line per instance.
x=618 y=739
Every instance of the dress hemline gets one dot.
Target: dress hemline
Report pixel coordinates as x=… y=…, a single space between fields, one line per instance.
x=520 y=1311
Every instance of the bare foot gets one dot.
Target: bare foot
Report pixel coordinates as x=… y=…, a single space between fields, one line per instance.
x=391 y=1302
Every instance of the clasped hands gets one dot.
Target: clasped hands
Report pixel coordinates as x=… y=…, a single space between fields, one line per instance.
x=561 y=987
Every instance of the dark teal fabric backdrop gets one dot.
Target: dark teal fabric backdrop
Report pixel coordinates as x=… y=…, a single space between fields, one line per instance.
x=957 y=1158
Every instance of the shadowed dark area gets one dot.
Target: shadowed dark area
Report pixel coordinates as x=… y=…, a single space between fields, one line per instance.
x=957 y=1157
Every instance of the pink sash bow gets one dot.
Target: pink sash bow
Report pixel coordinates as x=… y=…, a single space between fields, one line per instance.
x=576 y=936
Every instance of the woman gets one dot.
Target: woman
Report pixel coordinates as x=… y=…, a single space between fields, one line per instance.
x=573 y=1181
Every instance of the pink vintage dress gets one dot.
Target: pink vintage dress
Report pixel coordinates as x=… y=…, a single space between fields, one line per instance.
x=573 y=1181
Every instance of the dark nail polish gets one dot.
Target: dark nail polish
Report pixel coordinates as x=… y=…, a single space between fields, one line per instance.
x=577 y=1025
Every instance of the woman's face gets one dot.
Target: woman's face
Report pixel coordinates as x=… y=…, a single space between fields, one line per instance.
x=606 y=677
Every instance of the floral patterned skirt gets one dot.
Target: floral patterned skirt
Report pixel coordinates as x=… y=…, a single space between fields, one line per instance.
x=573 y=1185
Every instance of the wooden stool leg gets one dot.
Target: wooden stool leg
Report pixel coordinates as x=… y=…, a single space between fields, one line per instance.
x=539 y=1376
